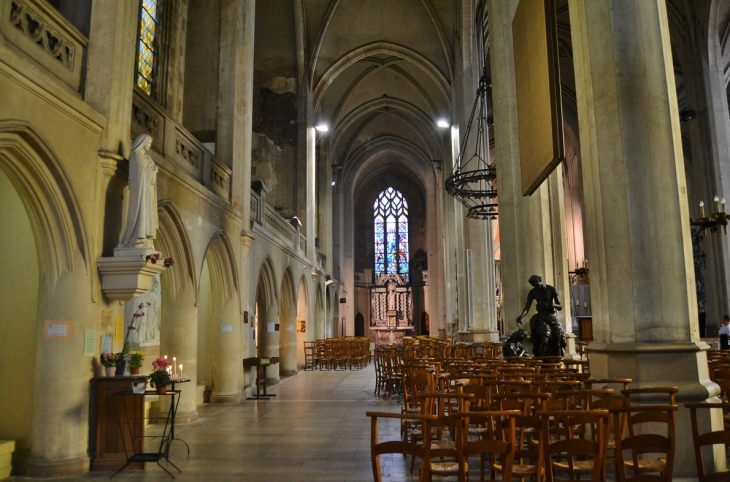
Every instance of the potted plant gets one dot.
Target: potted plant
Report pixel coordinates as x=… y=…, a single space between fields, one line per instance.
x=135 y=361
x=109 y=362
x=160 y=377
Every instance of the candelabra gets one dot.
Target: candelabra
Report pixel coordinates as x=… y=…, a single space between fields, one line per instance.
x=717 y=219
x=580 y=275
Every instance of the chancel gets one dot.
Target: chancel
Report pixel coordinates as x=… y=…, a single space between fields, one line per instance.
x=342 y=202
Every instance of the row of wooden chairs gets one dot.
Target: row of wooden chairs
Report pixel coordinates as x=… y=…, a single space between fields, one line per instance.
x=419 y=347
x=517 y=388
x=572 y=442
x=351 y=353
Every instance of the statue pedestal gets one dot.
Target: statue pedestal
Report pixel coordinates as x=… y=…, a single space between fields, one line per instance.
x=126 y=277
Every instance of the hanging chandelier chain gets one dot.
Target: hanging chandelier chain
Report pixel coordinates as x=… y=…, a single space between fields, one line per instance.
x=475 y=186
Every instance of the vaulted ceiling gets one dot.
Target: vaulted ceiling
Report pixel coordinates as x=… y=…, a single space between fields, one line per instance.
x=380 y=72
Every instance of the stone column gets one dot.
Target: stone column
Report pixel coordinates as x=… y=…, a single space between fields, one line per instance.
x=179 y=339
x=110 y=69
x=248 y=303
x=268 y=342
x=226 y=363
x=233 y=146
x=61 y=385
x=637 y=219
x=532 y=228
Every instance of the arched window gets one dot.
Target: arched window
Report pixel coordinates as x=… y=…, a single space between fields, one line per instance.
x=148 y=46
x=391 y=234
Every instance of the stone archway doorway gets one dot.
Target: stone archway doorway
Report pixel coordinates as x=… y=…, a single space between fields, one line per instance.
x=359 y=325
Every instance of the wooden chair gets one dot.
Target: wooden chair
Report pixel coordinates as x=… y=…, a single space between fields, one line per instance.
x=528 y=461
x=445 y=423
x=416 y=381
x=378 y=448
x=717 y=437
x=607 y=383
x=642 y=439
x=566 y=451
x=650 y=394
x=310 y=355
x=499 y=447
x=596 y=399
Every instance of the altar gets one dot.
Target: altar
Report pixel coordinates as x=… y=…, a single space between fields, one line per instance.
x=391 y=314
x=388 y=336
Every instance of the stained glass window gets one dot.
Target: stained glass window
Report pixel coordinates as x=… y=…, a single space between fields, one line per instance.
x=391 y=234
x=149 y=30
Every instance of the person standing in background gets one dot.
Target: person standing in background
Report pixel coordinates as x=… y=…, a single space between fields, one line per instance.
x=724 y=333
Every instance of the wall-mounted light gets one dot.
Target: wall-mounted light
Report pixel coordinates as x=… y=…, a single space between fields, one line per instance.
x=443 y=123
x=336 y=169
x=322 y=127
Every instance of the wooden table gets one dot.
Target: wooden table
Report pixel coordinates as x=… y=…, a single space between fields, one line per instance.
x=108 y=443
x=260 y=362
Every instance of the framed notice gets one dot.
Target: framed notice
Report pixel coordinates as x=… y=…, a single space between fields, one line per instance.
x=89 y=342
x=119 y=330
x=58 y=330
x=537 y=81
x=226 y=328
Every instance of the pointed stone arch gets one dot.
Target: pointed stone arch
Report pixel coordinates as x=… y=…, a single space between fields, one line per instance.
x=266 y=286
x=220 y=255
x=65 y=276
x=37 y=174
x=172 y=240
x=219 y=305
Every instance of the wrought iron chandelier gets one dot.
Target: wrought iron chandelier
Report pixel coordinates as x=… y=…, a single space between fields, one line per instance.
x=473 y=182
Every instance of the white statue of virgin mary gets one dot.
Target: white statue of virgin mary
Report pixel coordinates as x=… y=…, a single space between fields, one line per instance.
x=141 y=226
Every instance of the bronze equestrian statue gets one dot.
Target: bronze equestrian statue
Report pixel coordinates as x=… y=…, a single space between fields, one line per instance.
x=546 y=332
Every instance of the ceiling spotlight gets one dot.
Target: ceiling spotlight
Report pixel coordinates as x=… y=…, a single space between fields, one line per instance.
x=443 y=123
x=322 y=127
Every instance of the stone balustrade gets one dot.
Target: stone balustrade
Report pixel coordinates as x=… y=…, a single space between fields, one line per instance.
x=175 y=142
x=43 y=34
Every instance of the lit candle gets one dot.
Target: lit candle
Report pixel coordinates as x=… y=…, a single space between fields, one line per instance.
x=722 y=206
x=165 y=357
x=716 y=204
x=181 y=373
x=702 y=209
x=585 y=263
x=174 y=368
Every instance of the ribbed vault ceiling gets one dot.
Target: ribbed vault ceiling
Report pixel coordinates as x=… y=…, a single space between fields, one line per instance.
x=381 y=70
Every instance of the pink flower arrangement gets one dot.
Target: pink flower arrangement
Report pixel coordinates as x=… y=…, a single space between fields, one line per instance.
x=108 y=359
x=160 y=364
x=169 y=261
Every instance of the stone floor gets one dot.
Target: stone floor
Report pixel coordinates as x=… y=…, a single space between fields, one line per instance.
x=315 y=430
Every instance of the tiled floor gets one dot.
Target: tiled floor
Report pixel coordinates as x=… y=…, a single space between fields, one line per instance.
x=315 y=430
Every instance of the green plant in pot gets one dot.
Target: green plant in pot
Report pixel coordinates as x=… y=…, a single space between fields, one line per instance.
x=135 y=361
x=160 y=377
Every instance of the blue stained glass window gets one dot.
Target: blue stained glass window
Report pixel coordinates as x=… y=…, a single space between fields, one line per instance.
x=149 y=26
x=391 y=234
